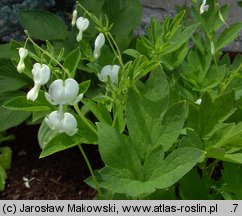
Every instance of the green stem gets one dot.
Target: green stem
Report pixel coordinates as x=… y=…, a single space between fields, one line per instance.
x=90 y=169
x=117 y=51
x=95 y=19
x=46 y=53
x=212 y=167
x=83 y=118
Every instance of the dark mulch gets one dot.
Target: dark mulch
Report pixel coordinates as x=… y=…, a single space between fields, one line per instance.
x=59 y=176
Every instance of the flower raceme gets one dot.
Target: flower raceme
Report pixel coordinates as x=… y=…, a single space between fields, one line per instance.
x=99 y=42
x=82 y=24
x=62 y=122
x=41 y=75
x=110 y=71
x=22 y=54
x=64 y=92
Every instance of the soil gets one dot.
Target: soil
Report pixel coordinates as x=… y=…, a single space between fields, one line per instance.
x=59 y=176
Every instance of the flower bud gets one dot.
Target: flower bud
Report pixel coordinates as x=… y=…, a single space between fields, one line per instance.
x=204 y=7
x=82 y=24
x=65 y=123
x=22 y=54
x=41 y=75
x=110 y=71
x=212 y=48
x=74 y=16
x=64 y=92
x=198 y=101
x=99 y=42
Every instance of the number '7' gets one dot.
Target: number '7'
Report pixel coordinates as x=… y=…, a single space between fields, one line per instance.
x=235 y=207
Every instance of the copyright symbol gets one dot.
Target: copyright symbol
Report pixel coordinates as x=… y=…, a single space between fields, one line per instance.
x=9 y=209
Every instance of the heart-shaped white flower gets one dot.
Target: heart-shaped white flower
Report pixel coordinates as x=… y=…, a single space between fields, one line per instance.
x=64 y=92
x=110 y=71
x=41 y=75
x=82 y=24
x=62 y=123
x=22 y=54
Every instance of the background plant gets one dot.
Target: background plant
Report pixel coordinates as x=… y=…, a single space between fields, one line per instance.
x=5 y=159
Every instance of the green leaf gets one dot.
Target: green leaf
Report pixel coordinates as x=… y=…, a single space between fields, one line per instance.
x=59 y=143
x=153 y=161
x=132 y=52
x=206 y=118
x=175 y=166
x=139 y=189
x=10 y=118
x=21 y=103
x=43 y=25
x=232 y=176
x=145 y=112
x=172 y=124
x=228 y=136
x=5 y=157
x=99 y=110
x=83 y=86
x=93 y=6
x=180 y=38
x=10 y=79
x=115 y=150
x=72 y=60
x=191 y=140
x=45 y=135
x=38 y=116
x=220 y=154
x=122 y=181
x=119 y=119
x=4 y=51
x=174 y=59
x=224 y=10
x=228 y=35
x=120 y=14
x=194 y=187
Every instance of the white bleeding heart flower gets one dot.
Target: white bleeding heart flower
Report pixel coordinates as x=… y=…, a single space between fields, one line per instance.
x=110 y=71
x=204 y=7
x=82 y=24
x=64 y=92
x=22 y=54
x=62 y=123
x=41 y=75
x=99 y=42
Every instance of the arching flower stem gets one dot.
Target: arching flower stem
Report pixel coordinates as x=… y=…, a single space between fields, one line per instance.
x=49 y=55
